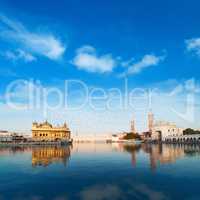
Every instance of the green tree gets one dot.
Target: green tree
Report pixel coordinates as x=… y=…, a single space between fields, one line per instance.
x=131 y=136
x=190 y=131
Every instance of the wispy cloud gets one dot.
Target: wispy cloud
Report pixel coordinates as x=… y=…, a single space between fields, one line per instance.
x=42 y=44
x=19 y=55
x=148 y=60
x=87 y=59
x=193 y=45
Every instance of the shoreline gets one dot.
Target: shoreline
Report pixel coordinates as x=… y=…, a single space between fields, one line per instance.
x=36 y=144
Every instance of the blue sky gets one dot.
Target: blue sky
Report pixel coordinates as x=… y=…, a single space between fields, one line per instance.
x=100 y=43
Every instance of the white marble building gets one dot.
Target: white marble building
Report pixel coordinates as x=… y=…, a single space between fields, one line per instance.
x=5 y=136
x=118 y=137
x=162 y=130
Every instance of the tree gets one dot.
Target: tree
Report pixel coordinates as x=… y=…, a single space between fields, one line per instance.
x=190 y=131
x=131 y=136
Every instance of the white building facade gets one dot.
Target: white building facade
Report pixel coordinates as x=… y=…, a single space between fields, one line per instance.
x=5 y=136
x=163 y=130
x=118 y=137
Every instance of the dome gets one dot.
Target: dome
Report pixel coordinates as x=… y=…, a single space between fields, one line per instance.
x=46 y=124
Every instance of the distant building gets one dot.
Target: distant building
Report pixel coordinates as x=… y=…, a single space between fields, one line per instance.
x=133 y=126
x=118 y=137
x=150 y=121
x=18 y=138
x=46 y=132
x=162 y=130
x=146 y=135
x=5 y=136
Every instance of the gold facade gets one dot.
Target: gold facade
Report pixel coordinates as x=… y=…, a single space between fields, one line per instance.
x=47 y=155
x=46 y=132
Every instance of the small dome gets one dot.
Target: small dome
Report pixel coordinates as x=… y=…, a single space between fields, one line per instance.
x=65 y=125
x=47 y=124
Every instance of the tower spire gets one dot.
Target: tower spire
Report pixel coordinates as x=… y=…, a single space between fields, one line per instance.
x=133 y=126
x=150 y=120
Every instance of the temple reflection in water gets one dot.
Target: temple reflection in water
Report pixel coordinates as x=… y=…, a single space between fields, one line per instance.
x=44 y=156
x=163 y=154
x=160 y=154
x=156 y=154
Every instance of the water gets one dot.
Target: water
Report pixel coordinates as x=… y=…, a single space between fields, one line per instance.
x=90 y=171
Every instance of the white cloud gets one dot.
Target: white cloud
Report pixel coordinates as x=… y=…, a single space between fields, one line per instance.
x=19 y=55
x=37 y=43
x=148 y=60
x=87 y=59
x=193 y=45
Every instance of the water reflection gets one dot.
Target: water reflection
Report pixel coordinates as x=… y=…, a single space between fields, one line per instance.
x=157 y=154
x=133 y=150
x=107 y=171
x=41 y=155
x=44 y=156
x=12 y=150
x=163 y=154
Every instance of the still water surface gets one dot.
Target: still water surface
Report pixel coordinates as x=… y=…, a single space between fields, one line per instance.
x=90 y=171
